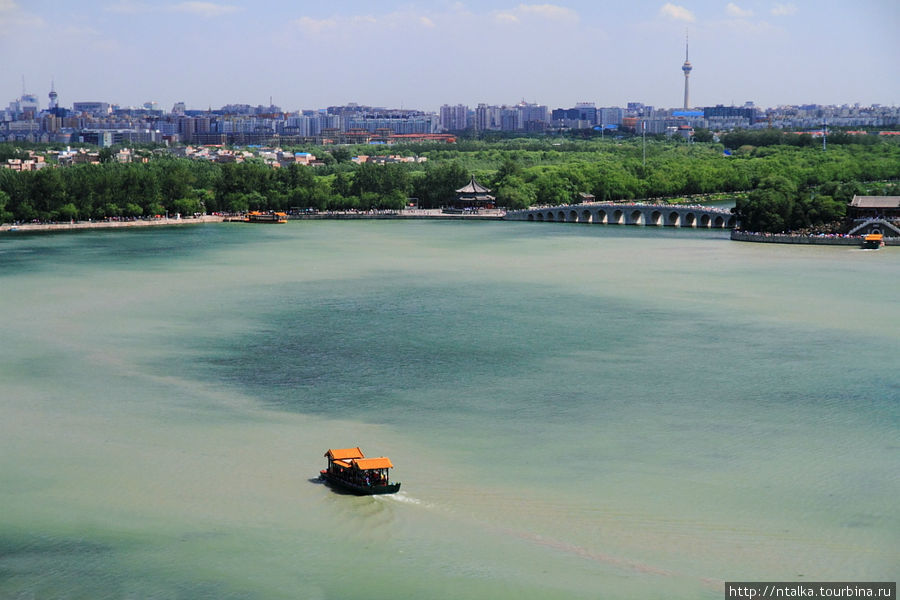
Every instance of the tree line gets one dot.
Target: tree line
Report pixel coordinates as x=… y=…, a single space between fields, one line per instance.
x=521 y=172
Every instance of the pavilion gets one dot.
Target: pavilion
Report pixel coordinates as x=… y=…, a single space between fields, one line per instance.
x=875 y=214
x=473 y=196
x=862 y=207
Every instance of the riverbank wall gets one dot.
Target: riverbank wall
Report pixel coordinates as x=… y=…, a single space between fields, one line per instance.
x=75 y=225
x=785 y=238
x=406 y=214
x=411 y=214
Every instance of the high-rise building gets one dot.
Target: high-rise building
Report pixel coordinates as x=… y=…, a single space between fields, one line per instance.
x=686 y=67
x=610 y=116
x=487 y=117
x=531 y=117
x=454 y=118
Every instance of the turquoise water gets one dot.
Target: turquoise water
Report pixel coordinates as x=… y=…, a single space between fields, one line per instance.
x=575 y=411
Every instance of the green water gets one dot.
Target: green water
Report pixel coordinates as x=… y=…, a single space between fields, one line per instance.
x=574 y=411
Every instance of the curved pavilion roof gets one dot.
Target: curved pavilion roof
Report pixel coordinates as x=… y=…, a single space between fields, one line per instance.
x=371 y=464
x=473 y=187
x=344 y=453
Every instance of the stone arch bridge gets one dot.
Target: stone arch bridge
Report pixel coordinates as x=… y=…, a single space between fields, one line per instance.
x=658 y=215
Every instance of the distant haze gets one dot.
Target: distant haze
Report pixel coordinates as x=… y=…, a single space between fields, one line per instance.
x=422 y=55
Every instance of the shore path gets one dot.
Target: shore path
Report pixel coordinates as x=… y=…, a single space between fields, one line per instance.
x=402 y=214
x=25 y=227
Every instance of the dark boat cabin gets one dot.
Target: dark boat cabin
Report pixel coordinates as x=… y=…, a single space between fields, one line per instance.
x=351 y=466
x=371 y=471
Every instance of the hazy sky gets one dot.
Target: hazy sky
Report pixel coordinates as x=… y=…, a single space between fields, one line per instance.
x=311 y=54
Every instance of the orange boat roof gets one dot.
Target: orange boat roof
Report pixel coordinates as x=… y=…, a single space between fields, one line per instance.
x=345 y=453
x=369 y=464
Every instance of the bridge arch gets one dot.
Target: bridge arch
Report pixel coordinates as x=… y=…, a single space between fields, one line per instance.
x=635 y=218
x=631 y=214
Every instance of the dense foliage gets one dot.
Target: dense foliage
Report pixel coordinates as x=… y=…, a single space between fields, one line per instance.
x=789 y=185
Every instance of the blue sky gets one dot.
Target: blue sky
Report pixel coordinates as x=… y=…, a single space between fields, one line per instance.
x=423 y=54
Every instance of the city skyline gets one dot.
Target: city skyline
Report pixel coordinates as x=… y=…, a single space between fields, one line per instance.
x=208 y=54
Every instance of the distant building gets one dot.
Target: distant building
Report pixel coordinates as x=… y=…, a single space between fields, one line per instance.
x=91 y=108
x=582 y=116
x=720 y=111
x=610 y=116
x=487 y=118
x=531 y=117
x=454 y=118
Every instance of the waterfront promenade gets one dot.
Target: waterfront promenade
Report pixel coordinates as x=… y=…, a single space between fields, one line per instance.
x=490 y=215
x=813 y=239
x=113 y=224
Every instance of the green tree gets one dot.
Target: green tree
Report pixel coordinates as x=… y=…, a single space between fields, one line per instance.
x=703 y=135
x=438 y=187
x=341 y=184
x=341 y=154
x=514 y=193
x=770 y=207
x=67 y=212
x=5 y=215
x=105 y=155
x=186 y=206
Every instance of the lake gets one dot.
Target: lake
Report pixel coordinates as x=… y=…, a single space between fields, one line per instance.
x=575 y=411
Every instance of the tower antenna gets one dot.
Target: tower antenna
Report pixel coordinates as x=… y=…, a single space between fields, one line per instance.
x=686 y=68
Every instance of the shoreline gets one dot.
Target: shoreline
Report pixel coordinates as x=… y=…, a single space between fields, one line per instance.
x=431 y=214
x=29 y=227
x=435 y=214
x=789 y=238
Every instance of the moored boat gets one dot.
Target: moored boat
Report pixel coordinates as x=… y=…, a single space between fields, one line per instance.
x=873 y=241
x=266 y=217
x=348 y=468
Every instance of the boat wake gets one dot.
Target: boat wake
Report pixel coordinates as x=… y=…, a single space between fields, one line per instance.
x=402 y=498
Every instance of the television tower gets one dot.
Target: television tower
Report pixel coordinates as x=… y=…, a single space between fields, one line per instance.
x=686 y=67
x=54 y=102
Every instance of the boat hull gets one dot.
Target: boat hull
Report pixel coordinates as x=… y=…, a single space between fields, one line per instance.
x=359 y=490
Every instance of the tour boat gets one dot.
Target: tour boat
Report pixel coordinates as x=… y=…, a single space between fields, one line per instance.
x=266 y=217
x=348 y=468
x=873 y=241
